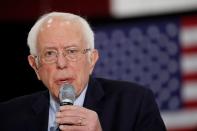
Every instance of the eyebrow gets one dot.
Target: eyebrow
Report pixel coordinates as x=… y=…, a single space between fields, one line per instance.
x=71 y=45
x=54 y=48
x=49 y=48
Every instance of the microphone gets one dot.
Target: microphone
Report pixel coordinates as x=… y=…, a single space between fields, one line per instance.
x=67 y=94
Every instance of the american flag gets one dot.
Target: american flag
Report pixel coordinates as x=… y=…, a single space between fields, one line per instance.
x=159 y=53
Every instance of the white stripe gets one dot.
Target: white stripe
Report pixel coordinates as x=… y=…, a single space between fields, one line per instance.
x=189 y=91
x=188 y=36
x=128 y=8
x=189 y=63
x=180 y=119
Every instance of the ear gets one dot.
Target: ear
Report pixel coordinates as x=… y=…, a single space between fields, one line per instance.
x=34 y=65
x=94 y=56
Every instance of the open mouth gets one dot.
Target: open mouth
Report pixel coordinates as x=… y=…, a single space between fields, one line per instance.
x=62 y=81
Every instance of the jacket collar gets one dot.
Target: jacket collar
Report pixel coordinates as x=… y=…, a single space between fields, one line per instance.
x=94 y=95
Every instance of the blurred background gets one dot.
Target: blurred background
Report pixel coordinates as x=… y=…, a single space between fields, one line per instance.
x=151 y=42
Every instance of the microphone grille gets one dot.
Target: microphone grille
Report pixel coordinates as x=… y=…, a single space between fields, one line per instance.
x=67 y=94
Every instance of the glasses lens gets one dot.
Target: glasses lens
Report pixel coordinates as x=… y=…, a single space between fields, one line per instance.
x=49 y=56
x=72 y=54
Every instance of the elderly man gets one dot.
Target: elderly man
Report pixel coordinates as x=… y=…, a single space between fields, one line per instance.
x=62 y=51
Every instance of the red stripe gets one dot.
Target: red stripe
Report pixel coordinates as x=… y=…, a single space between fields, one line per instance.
x=184 y=129
x=190 y=77
x=189 y=20
x=190 y=50
x=190 y=104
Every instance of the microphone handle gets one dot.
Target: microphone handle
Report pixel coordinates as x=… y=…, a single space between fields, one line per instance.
x=65 y=103
x=58 y=129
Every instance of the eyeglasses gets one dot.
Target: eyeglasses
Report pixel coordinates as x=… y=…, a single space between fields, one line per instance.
x=72 y=54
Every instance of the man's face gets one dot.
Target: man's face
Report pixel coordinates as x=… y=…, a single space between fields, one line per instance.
x=58 y=35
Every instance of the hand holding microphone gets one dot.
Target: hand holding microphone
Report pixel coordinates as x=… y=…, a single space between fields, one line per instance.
x=72 y=117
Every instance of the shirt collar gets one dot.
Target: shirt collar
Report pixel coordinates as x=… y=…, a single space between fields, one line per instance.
x=80 y=99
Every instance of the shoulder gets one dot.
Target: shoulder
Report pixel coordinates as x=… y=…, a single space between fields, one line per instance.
x=124 y=91
x=123 y=87
x=23 y=101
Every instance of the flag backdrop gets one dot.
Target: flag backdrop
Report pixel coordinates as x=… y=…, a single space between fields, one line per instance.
x=160 y=54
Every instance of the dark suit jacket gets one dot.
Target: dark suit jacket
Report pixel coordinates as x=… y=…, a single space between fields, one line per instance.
x=121 y=106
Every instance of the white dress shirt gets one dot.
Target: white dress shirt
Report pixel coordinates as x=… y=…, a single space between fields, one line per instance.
x=54 y=107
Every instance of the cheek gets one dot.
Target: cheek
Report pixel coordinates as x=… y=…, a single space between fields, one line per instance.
x=46 y=75
x=83 y=70
x=82 y=73
x=45 y=72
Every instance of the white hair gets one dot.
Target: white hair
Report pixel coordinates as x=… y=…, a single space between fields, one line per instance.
x=32 y=36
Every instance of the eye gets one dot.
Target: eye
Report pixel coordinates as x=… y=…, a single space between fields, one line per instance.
x=72 y=51
x=50 y=53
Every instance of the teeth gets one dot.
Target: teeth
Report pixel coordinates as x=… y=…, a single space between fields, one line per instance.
x=64 y=81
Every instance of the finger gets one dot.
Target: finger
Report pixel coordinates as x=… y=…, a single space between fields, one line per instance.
x=70 y=114
x=73 y=108
x=68 y=107
x=71 y=128
x=78 y=121
x=72 y=111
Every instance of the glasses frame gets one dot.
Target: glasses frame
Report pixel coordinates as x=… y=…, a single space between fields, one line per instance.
x=82 y=51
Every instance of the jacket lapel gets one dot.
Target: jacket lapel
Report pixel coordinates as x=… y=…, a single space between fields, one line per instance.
x=94 y=95
x=39 y=116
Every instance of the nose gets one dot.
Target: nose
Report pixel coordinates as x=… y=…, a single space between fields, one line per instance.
x=62 y=62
